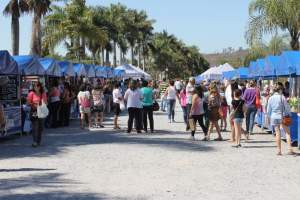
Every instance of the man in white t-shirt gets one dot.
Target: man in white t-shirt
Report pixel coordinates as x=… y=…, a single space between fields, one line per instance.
x=117 y=98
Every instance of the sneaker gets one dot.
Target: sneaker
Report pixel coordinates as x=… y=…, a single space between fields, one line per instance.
x=101 y=126
x=145 y=130
x=152 y=131
x=173 y=121
x=192 y=138
x=170 y=121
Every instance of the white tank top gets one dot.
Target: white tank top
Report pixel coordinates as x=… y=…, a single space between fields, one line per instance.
x=171 y=93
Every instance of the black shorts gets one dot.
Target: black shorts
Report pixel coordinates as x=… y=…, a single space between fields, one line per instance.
x=97 y=109
x=116 y=108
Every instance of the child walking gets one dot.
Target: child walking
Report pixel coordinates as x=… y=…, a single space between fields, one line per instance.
x=239 y=108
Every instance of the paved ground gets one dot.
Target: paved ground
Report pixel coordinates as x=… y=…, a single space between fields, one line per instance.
x=75 y=164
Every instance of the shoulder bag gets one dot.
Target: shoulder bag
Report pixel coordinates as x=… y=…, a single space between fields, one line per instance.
x=286 y=119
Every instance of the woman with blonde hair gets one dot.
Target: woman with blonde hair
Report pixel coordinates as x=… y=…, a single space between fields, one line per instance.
x=214 y=103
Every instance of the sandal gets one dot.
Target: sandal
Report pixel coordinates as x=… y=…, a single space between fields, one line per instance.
x=291 y=153
x=279 y=154
x=218 y=139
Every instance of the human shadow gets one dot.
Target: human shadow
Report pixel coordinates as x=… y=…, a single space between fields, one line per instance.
x=57 y=141
x=26 y=170
x=259 y=147
x=50 y=186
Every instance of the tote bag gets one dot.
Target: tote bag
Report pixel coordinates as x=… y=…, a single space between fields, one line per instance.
x=42 y=111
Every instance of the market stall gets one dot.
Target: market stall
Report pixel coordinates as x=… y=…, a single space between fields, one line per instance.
x=10 y=94
x=130 y=72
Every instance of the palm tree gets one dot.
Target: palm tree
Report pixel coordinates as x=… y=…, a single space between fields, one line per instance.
x=15 y=8
x=74 y=25
x=277 y=44
x=267 y=16
x=39 y=8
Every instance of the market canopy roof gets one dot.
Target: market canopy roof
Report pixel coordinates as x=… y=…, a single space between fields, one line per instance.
x=79 y=69
x=29 y=65
x=51 y=66
x=90 y=70
x=130 y=72
x=119 y=73
x=7 y=64
x=210 y=74
x=146 y=75
x=271 y=62
x=242 y=72
x=66 y=68
x=289 y=63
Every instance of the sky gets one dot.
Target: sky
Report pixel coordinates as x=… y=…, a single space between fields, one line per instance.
x=212 y=25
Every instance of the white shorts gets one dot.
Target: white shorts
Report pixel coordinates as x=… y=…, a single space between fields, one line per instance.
x=84 y=110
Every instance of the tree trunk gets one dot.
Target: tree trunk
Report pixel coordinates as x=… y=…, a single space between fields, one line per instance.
x=295 y=42
x=121 y=57
x=132 y=54
x=115 y=54
x=15 y=31
x=144 y=63
x=107 y=58
x=139 y=55
x=102 y=56
x=94 y=57
x=36 y=36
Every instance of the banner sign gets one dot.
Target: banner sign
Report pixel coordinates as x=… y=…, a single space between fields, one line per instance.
x=9 y=91
x=13 y=121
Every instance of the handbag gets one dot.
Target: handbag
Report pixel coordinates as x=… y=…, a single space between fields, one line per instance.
x=122 y=105
x=155 y=106
x=286 y=119
x=42 y=111
x=192 y=124
x=257 y=100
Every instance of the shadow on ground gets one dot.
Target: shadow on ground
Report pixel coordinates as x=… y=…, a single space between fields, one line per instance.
x=57 y=141
x=54 y=184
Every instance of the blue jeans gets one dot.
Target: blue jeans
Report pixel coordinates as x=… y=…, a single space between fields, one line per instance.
x=171 y=108
x=163 y=104
x=250 y=117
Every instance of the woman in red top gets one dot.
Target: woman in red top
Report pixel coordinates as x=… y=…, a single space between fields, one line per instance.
x=35 y=98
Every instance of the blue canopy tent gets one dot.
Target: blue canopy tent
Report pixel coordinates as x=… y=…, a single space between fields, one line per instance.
x=229 y=75
x=252 y=69
x=79 y=69
x=101 y=72
x=110 y=72
x=9 y=93
x=242 y=73
x=7 y=64
x=260 y=64
x=90 y=70
x=270 y=66
x=119 y=73
x=51 y=66
x=29 y=65
x=66 y=68
x=289 y=63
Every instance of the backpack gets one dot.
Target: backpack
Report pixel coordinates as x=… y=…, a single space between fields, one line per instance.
x=213 y=102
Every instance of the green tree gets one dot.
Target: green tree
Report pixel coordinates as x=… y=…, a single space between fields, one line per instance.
x=14 y=9
x=39 y=8
x=267 y=16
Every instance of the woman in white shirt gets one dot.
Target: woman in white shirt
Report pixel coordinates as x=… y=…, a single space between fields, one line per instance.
x=117 y=98
x=171 y=95
x=133 y=97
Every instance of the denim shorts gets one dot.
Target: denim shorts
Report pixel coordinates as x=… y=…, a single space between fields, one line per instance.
x=276 y=122
x=238 y=120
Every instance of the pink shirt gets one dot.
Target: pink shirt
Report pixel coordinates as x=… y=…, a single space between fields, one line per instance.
x=182 y=98
x=34 y=99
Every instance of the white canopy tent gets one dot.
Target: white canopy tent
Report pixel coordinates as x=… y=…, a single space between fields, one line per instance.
x=133 y=72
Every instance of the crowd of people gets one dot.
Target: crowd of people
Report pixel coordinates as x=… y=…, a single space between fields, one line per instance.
x=209 y=104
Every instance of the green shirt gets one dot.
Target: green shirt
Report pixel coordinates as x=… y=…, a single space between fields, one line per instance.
x=147 y=96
